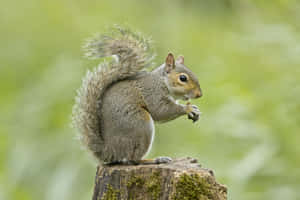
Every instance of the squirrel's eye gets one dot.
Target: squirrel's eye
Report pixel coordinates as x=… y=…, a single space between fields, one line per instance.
x=183 y=78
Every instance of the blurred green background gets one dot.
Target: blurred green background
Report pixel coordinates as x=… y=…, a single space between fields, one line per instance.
x=245 y=53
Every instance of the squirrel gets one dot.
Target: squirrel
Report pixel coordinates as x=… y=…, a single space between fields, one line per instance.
x=119 y=100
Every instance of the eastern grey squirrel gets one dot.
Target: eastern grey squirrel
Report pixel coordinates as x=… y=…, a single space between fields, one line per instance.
x=119 y=100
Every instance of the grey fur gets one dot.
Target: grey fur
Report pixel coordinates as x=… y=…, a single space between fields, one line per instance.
x=118 y=101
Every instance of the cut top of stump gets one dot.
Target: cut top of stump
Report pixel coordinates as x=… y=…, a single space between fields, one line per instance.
x=181 y=179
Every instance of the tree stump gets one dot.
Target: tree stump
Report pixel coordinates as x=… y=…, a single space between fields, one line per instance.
x=182 y=179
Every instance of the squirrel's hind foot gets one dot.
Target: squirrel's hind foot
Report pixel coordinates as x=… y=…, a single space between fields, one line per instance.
x=123 y=162
x=163 y=160
x=158 y=160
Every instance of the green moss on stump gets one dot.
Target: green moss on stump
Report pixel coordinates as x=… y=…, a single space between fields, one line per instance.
x=193 y=187
x=111 y=193
x=151 y=185
x=182 y=179
x=137 y=181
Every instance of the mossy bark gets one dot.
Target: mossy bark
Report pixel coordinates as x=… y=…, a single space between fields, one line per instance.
x=182 y=179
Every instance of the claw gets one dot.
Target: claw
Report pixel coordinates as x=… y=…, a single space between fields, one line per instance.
x=193 y=116
x=162 y=159
x=194 y=112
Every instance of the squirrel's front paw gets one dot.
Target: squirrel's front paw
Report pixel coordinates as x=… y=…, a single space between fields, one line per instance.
x=193 y=112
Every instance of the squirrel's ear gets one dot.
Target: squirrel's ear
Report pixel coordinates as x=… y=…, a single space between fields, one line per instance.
x=170 y=63
x=180 y=60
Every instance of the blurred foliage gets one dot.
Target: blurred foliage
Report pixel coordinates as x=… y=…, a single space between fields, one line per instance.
x=245 y=53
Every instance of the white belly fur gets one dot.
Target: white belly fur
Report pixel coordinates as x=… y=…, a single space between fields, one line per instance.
x=152 y=136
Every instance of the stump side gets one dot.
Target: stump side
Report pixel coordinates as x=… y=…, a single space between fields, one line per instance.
x=181 y=179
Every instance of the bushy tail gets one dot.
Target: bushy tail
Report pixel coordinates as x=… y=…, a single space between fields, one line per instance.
x=134 y=53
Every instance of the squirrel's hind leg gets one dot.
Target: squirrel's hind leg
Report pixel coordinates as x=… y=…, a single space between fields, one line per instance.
x=158 y=160
x=129 y=139
x=122 y=162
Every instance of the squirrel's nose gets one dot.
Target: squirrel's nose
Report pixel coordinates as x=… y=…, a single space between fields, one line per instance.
x=198 y=94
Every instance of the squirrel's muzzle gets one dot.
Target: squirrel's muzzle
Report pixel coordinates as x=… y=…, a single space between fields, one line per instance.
x=198 y=93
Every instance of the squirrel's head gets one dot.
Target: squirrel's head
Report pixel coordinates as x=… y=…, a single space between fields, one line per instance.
x=182 y=82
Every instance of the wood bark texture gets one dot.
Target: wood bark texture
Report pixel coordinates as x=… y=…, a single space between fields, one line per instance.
x=182 y=179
